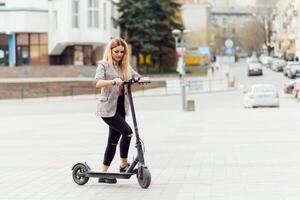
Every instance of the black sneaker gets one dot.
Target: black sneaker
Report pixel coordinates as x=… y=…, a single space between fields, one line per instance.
x=107 y=180
x=123 y=169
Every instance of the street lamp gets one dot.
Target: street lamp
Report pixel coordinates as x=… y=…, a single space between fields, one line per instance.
x=179 y=34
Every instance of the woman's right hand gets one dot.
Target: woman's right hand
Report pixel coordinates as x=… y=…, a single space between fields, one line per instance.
x=118 y=81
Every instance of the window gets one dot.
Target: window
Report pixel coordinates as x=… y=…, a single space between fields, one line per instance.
x=93 y=13
x=2 y=2
x=104 y=16
x=22 y=39
x=114 y=16
x=233 y=31
x=75 y=14
x=31 y=48
x=38 y=48
x=54 y=20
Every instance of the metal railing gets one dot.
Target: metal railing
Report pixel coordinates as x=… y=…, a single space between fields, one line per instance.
x=168 y=87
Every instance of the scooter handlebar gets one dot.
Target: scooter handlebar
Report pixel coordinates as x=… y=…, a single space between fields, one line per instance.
x=135 y=80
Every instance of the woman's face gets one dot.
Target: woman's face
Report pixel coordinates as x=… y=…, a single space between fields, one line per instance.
x=118 y=53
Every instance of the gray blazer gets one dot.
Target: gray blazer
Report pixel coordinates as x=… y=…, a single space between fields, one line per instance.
x=107 y=104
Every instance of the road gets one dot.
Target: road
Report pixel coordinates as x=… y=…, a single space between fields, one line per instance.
x=220 y=151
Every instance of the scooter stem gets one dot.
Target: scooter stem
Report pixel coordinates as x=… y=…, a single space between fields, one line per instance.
x=138 y=144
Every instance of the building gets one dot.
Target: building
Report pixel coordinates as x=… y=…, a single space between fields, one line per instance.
x=285 y=33
x=56 y=32
x=196 y=18
x=215 y=21
x=228 y=23
x=23 y=33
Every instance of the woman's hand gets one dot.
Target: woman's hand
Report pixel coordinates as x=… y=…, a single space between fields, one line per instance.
x=118 y=81
x=144 y=79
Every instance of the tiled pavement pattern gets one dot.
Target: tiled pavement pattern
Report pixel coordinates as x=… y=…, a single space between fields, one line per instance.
x=213 y=153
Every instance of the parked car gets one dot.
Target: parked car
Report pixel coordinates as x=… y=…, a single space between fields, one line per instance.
x=293 y=71
x=289 y=86
x=255 y=69
x=288 y=67
x=251 y=59
x=296 y=90
x=261 y=95
x=266 y=60
x=278 y=65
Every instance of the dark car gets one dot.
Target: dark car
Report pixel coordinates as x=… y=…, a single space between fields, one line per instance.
x=255 y=69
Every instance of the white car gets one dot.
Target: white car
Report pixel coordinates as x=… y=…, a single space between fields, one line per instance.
x=261 y=95
x=288 y=67
x=266 y=60
x=278 y=65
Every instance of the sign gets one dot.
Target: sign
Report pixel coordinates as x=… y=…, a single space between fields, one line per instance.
x=228 y=50
x=229 y=43
x=180 y=65
x=180 y=51
x=203 y=50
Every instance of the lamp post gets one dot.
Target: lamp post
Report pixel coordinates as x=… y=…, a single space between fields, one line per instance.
x=179 y=34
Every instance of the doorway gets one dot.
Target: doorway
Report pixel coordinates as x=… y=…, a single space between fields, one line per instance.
x=22 y=55
x=3 y=56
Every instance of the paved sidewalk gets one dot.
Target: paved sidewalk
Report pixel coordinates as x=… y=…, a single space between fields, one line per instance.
x=209 y=154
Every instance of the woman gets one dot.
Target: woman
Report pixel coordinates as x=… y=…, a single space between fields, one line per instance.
x=113 y=105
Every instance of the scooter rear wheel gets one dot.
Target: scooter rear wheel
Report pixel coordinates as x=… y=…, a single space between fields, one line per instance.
x=144 y=177
x=79 y=174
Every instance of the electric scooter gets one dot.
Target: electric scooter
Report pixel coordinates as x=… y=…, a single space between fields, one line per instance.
x=82 y=172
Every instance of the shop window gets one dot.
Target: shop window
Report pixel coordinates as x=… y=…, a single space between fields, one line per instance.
x=3 y=40
x=44 y=39
x=34 y=39
x=32 y=48
x=87 y=55
x=22 y=55
x=44 y=54
x=34 y=54
x=78 y=55
x=22 y=39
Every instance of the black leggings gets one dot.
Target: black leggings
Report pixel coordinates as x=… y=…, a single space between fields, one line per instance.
x=117 y=127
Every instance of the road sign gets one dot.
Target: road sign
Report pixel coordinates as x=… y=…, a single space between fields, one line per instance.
x=229 y=43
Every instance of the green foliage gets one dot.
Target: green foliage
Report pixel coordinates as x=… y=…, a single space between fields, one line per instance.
x=147 y=25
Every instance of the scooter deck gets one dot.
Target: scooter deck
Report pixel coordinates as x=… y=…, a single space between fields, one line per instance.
x=109 y=175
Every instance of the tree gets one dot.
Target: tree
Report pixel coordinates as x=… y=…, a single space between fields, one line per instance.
x=252 y=36
x=147 y=25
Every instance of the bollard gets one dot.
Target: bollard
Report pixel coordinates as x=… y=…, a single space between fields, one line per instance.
x=190 y=105
x=231 y=83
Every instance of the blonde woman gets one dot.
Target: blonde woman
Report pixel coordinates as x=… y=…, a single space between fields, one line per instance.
x=113 y=104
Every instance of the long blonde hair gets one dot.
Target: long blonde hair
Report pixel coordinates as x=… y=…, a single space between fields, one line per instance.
x=125 y=69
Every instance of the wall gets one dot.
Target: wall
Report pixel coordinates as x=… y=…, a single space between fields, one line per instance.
x=196 y=18
x=65 y=35
x=18 y=14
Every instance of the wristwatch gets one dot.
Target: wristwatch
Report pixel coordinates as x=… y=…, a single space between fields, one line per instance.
x=114 y=82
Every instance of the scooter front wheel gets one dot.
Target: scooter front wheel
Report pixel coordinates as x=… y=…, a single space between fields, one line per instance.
x=144 y=177
x=79 y=174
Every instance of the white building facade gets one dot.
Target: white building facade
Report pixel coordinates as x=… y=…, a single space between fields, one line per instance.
x=56 y=32
x=195 y=17
x=285 y=29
